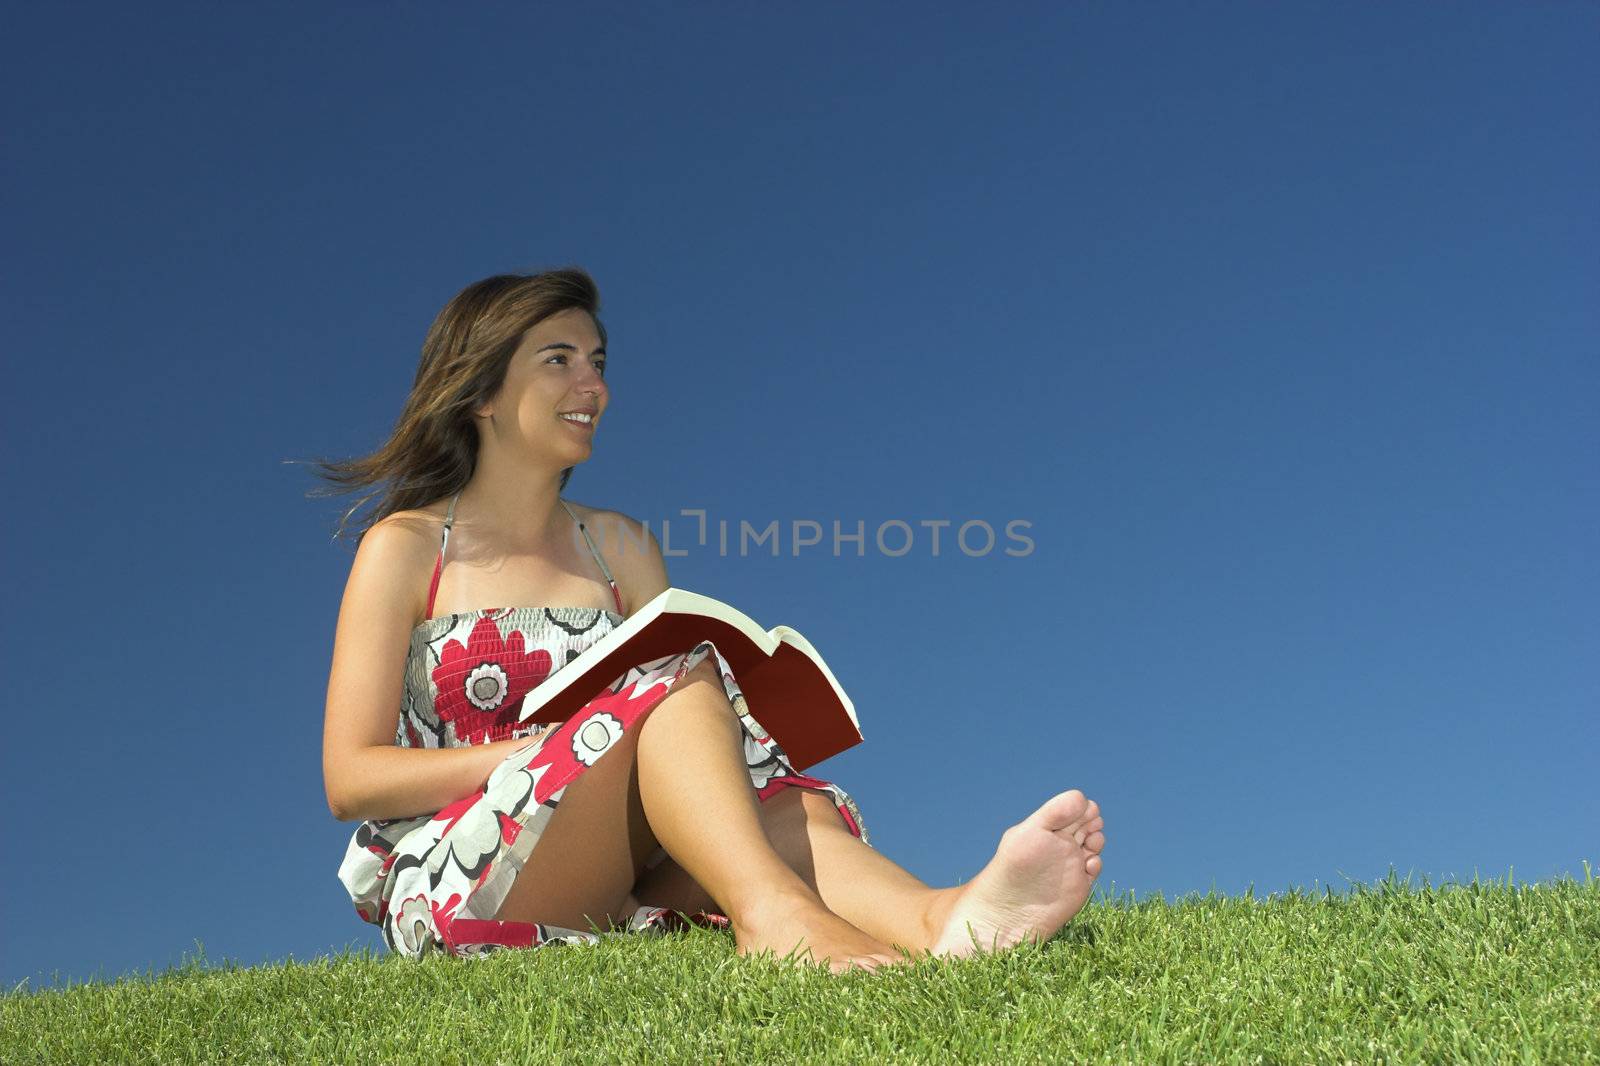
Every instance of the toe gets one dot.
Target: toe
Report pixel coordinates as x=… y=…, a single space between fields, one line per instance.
x=1092 y=866
x=1082 y=831
x=1095 y=842
x=1084 y=824
x=1059 y=811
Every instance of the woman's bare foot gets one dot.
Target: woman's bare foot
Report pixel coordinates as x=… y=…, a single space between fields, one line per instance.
x=801 y=925
x=1039 y=878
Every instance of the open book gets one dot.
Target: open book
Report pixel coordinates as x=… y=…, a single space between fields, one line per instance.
x=788 y=687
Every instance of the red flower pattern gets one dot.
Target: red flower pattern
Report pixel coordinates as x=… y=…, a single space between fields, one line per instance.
x=481 y=685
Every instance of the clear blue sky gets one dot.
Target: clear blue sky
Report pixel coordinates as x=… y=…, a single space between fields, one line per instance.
x=1276 y=322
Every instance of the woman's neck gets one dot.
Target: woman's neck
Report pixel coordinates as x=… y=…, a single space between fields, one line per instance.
x=516 y=510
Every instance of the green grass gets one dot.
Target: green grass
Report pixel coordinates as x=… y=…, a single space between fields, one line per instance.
x=1480 y=972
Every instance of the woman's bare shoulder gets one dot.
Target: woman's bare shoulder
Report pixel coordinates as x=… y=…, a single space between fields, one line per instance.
x=410 y=541
x=605 y=518
x=622 y=539
x=423 y=524
x=398 y=552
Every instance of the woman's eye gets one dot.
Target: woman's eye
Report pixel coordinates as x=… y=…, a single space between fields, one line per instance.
x=599 y=364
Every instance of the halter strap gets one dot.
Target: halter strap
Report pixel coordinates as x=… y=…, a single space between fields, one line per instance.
x=438 y=567
x=604 y=569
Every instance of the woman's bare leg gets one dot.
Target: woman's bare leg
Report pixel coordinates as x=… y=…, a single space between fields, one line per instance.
x=869 y=890
x=590 y=851
x=680 y=779
x=691 y=762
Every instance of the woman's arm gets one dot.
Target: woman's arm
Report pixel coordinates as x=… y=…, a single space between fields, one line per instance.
x=386 y=781
x=364 y=773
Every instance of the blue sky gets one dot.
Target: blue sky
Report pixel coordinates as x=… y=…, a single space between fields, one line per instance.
x=1276 y=323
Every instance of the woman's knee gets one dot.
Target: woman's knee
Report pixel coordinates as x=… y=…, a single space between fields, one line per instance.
x=704 y=682
x=706 y=670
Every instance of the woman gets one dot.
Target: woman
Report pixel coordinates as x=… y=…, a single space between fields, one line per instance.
x=663 y=796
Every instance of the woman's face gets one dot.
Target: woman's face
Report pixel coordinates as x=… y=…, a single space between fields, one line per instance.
x=556 y=371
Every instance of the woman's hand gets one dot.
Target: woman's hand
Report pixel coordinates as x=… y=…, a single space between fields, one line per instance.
x=499 y=751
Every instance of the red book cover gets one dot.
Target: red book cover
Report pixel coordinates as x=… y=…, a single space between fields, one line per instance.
x=786 y=683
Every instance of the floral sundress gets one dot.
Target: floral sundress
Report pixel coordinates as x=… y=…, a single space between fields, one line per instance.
x=435 y=882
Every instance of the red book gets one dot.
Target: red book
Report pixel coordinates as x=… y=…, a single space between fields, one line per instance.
x=788 y=688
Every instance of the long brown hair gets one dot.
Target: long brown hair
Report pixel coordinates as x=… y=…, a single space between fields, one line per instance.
x=434 y=447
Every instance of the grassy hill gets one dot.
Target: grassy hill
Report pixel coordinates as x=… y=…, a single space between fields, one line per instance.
x=1480 y=972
